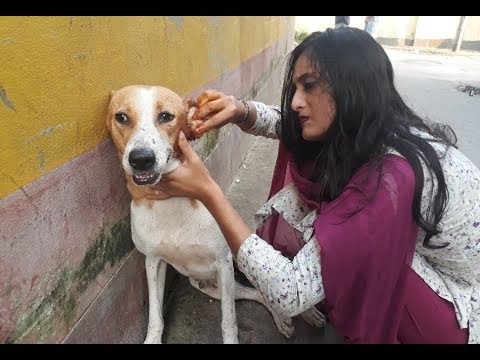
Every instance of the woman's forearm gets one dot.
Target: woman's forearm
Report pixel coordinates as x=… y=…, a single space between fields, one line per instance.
x=265 y=120
x=233 y=227
x=291 y=286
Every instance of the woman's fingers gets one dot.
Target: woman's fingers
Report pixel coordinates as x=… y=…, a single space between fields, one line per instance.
x=207 y=109
x=208 y=95
x=187 y=150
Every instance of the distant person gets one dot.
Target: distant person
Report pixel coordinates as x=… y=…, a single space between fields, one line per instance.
x=371 y=23
x=341 y=21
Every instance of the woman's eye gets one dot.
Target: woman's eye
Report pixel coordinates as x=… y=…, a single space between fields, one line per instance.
x=121 y=118
x=165 y=116
x=310 y=85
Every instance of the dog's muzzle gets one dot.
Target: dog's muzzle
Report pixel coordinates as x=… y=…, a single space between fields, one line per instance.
x=142 y=161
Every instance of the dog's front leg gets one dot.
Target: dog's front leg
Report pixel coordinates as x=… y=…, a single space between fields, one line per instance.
x=226 y=283
x=156 y=268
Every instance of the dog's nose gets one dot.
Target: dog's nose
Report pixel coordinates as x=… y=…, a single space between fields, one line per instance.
x=141 y=159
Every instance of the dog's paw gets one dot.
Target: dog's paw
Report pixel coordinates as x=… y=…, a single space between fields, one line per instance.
x=284 y=325
x=153 y=338
x=230 y=339
x=314 y=317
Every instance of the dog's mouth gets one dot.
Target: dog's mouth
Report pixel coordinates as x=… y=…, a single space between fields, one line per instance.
x=144 y=178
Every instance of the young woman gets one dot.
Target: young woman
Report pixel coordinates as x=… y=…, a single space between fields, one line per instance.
x=373 y=213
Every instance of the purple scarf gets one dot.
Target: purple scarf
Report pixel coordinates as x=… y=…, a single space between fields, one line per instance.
x=365 y=256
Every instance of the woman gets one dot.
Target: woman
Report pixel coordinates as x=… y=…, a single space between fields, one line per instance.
x=373 y=213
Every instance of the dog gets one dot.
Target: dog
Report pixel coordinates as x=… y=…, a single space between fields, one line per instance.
x=144 y=123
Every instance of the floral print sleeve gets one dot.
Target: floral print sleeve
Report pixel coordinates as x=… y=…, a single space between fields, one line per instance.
x=290 y=286
x=268 y=121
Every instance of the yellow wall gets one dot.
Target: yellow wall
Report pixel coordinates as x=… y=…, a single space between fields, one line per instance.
x=56 y=74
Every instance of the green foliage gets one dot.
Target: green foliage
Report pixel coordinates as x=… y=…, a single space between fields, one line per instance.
x=300 y=35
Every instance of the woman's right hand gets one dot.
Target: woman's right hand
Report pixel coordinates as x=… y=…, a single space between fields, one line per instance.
x=191 y=179
x=216 y=109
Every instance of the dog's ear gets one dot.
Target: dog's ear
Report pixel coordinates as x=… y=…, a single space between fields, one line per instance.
x=109 y=123
x=190 y=125
x=187 y=125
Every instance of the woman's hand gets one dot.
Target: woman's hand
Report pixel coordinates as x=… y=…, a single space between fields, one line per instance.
x=216 y=109
x=191 y=179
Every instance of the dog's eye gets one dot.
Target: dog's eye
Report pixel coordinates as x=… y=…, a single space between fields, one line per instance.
x=165 y=116
x=121 y=118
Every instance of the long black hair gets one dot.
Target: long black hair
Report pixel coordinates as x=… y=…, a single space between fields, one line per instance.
x=370 y=117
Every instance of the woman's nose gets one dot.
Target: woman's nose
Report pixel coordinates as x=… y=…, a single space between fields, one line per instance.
x=297 y=101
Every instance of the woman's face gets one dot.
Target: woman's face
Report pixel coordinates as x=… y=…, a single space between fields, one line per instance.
x=312 y=102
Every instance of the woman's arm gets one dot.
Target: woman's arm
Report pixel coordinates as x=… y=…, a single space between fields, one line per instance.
x=291 y=286
x=267 y=121
x=233 y=227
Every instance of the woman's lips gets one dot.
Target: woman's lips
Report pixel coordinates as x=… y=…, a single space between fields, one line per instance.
x=303 y=119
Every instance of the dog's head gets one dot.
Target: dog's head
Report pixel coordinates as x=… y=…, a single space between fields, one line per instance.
x=144 y=122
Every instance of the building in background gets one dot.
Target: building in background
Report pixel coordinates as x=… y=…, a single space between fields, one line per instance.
x=440 y=32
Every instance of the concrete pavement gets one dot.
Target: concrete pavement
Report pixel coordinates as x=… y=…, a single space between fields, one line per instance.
x=429 y=82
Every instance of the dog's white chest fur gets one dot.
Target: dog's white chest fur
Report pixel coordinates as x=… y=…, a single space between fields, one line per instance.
x=188 y=238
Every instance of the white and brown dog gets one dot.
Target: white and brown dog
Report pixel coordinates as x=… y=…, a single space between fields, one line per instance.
x=144 y=123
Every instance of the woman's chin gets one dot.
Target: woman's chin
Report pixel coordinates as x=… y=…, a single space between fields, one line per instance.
x=308 y=136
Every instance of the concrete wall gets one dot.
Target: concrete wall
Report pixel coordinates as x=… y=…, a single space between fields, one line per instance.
x=421 y=31
x=471 y=35
x=68 y=270
x=436 y=31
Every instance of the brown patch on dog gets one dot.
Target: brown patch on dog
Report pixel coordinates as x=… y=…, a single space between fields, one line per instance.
x=194 y=203
x=139 y=193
